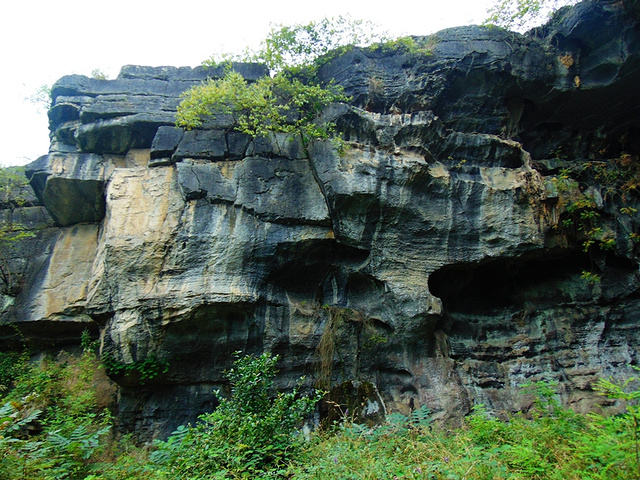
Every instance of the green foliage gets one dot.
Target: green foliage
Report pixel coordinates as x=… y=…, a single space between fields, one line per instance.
x=300 y=45
x=630 y=432
x=50 y=426
x=88 y=344
x=41 y=98
x=523 y=14
x=615 y=183
x=292 y=100
x=61 y=387
x=14 y=362
x=395 y=424
x=282 y=104
x=550 y=442
x=590 y=277
x=407 y=45
x=53 y=432
x=249 y=434
x=13 y=420
x=12 y=365
x=619 y=176
x=13 y=195
x=148 y=369
x=98 y=74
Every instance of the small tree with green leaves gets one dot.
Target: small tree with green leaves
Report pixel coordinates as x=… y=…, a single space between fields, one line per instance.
x=292 y=99
x=301 y=45
x=250 y=433
x=523 y=14
x=281 y=104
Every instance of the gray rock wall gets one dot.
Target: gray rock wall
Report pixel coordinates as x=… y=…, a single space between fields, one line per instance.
x=423 y=260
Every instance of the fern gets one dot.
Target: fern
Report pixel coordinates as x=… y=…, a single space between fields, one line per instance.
x=79 y=444
x=421 y=417
x=12 y=419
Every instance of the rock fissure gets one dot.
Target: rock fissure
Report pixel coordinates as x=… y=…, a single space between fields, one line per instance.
x=440 y=222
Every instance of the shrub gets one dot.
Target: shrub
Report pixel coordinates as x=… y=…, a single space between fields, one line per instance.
x=293 y=98
x=281 y=104
x=302 y=45
x=50 y=424
x=249 y=433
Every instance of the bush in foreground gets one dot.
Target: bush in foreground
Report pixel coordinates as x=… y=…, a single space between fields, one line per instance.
x=250 y=434
x=51 y=428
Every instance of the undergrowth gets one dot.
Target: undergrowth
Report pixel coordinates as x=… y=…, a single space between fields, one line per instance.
x=51 y=427
x=51 y=423
x=550 y=442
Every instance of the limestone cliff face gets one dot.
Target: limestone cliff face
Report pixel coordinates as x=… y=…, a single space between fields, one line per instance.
x=424 y=259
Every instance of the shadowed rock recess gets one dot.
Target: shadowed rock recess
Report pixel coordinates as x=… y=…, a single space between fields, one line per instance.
x=420 y=265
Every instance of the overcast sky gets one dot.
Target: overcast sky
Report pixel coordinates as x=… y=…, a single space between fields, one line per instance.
x=42 y=40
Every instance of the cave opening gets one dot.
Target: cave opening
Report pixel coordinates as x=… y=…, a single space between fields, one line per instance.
x=505 y=282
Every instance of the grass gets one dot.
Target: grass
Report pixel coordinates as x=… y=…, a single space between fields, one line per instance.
x=53 y=425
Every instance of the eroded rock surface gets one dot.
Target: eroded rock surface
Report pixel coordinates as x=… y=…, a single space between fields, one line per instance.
x=425 y=257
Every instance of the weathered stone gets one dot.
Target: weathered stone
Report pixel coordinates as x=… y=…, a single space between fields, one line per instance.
x=209 y=144
x=250 y=71
x=165 y=142
x=422 y=261
x=70 y=186
x=118 y=135
x=237 y=143
x=66 y=109
x=104 y=107
x=117 y=115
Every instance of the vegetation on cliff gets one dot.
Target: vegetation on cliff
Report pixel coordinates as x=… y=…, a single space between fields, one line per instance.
x=522 y=14
x=292 y=99
x=54 y=425
x=14 y=189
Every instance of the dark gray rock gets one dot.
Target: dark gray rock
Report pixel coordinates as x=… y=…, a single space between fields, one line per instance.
x=104 y=107
x=278 y=145
x=76 y=194
x=166 y=141
x=250 y=71
x=66 y=109
x=425 y=255
x=113 y=116
x=209 y=144
x=119 y=135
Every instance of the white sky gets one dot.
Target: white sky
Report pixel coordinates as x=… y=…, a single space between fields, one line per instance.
x=42 y=40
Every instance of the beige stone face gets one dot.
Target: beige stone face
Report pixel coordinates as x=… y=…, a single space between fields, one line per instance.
x=64 y=287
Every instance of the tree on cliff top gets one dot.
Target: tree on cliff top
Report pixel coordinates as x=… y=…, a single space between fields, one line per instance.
x=523 y=14
x=300 y=45
x=289 y=101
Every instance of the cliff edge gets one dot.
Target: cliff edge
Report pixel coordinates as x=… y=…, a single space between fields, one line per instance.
x=437 y=258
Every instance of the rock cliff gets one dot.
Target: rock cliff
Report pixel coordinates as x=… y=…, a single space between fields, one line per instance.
x=429 y=261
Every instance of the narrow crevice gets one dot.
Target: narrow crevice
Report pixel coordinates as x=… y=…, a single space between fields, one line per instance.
x=314 y=171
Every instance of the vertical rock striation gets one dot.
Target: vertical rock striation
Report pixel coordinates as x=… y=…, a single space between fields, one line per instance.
x=423 y=263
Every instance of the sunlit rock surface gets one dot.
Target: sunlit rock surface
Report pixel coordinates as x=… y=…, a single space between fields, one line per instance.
x=425 y=252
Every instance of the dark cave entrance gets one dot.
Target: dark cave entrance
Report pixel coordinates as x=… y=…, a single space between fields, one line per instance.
x=506 y=282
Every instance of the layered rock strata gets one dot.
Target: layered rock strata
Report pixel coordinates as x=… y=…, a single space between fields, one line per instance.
x=424 y=260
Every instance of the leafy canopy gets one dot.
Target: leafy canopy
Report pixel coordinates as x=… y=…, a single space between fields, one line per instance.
x=282 y=104
x=523 y=14
x=289 y=101
x=300 y=45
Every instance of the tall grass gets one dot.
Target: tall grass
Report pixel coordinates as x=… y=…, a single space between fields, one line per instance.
x=53 y=426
